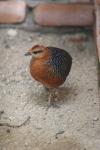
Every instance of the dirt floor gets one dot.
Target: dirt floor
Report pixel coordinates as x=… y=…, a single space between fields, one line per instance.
x=25 y=122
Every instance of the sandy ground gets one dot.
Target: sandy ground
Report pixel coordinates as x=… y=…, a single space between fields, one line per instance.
x=25 y=122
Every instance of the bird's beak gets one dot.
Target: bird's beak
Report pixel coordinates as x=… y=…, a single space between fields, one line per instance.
x=27 y=54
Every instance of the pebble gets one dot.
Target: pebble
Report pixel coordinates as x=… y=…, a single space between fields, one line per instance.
x=8 y=130
x=12 y=32
x=5 y=92
x=96 y=119
x=4 y=148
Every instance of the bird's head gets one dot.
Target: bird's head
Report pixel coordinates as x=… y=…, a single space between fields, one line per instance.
x=37 y=51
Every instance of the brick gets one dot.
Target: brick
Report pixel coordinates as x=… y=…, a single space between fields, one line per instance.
x=12 y=11
x=80 y=1
x=97 y=1
x=64 y=15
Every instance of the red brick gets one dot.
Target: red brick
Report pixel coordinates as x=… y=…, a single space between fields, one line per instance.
x=80 y=1
x=97 y=1
x=63 y=15
x=12 y=11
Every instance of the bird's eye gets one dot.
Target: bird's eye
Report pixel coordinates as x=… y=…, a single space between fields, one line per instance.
x=37 y=52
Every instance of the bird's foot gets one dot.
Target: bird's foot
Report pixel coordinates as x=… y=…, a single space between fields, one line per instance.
x=52 y=101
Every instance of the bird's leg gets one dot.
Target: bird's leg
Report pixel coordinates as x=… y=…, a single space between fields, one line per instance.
x=56 y=95
x=52 y=98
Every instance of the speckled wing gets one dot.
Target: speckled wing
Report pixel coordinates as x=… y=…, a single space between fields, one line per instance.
x=60 y=62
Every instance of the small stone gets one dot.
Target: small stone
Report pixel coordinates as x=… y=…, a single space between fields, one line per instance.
x=12 y=32
x=4 y=91
x=1 y=112
x=7 y=46
x=96 y=119
x=4 y=148
x=26 y=144
x=29 y=39
x=90 y=89
x=95 y=103
x=8 y=130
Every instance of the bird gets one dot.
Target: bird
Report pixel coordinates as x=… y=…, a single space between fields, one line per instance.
x=49 y=65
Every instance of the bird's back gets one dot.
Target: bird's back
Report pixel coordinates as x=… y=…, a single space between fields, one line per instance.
x=61 y=61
